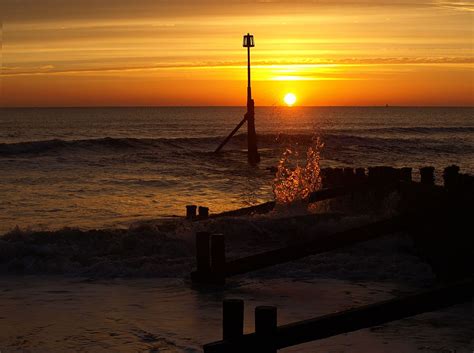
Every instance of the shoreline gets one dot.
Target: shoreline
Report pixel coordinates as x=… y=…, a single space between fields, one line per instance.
x=121 y=315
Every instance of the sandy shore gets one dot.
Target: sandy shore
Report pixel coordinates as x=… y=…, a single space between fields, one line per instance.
x=52 y=314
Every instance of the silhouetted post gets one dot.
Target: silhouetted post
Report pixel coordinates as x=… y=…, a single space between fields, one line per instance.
x=253 y=155
x=338 y=177
x=203 y=212
x=349 y=176
x=203 y=258
x=218 y=258
x=405 y=174
x=360 y=174
x=233 y=320
x=325 y=175
x=265 y=328
x=191 y=211
x=252 y=149
x=427 y=175
x=383 y=175
x=451 y=176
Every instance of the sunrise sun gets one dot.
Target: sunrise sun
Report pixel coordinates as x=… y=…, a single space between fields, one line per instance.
x=290 y=99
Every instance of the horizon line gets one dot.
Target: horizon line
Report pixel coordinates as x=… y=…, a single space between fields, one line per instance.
x=234 y=106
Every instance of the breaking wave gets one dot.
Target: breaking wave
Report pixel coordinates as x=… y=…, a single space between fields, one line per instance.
x=377 y=138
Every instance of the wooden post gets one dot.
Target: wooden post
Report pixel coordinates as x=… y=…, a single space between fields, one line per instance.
x=360 y=174
x=253 y=155
x=218 y=258
x=349 y=176
x=265 y=328
x=451 y=176
x=405 y=174
x=325 y=176
x=232 y=320
x=427 y=175
x=338 y=177
x=191 y=211
x=203 y=258
x=203 y=212
x=252 y=149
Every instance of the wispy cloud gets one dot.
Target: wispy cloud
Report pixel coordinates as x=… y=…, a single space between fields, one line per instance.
x=457 y=5
x=100 y=43
x=60 y=10
x=291 y=66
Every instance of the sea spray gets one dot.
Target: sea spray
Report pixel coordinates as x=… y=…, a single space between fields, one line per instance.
x=294 y=183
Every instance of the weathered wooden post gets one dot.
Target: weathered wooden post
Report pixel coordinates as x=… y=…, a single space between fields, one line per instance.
x=373 y=174
x=360 y=174
x=265 y=328
x=427 y=175
x=191 y=211
x=326 y=177
x=338 y=177
x=233 y=320
x=218 y=258
x=392 y=176
x=405 y=174
x=451 y=176
x=203 y=212
x=203 y=256
x=349 y=176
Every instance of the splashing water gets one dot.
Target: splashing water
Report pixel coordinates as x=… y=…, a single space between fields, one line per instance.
x=293 y=182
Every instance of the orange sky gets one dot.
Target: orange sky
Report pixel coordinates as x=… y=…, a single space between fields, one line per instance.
x=188 y=52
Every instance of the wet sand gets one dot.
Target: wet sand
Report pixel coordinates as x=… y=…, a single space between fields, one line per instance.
x=56 y=314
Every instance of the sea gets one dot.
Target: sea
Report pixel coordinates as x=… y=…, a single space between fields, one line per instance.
x=110 y=167
x=96 y=255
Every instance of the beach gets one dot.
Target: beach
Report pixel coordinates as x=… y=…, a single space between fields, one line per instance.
x=96 y=254
x=133 y=292
x=150 y=315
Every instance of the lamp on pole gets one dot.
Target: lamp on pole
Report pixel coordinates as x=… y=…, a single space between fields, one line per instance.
x=248 y=43
x=253 y=155
x=252 y=151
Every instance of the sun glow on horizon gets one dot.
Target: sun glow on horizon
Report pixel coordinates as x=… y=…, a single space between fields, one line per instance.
x=189 y=53
x=290 y=99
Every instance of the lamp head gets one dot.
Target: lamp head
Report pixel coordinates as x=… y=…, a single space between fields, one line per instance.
x=248 y=41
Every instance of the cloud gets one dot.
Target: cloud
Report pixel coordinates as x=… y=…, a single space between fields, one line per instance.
x=262 y=64
x=457 y=5
x=61 y=10
x=47 y=67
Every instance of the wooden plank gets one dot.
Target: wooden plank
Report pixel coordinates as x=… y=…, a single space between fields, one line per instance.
x=262 y=208
x=331 y=193
x=358 y=318
x=319 y=195
x=375 y=314
x=323 y=244
x=223 y=143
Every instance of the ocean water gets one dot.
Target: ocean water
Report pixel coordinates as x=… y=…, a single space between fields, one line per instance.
x=109 y=167
x=128 y=290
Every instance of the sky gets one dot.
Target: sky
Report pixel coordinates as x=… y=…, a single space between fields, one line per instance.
x=189 y=52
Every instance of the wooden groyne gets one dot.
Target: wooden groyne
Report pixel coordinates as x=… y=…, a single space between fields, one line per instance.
x=437 y=218
x=425 y=210
x=212 y=266
x=339 y=182
x=269 y=338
